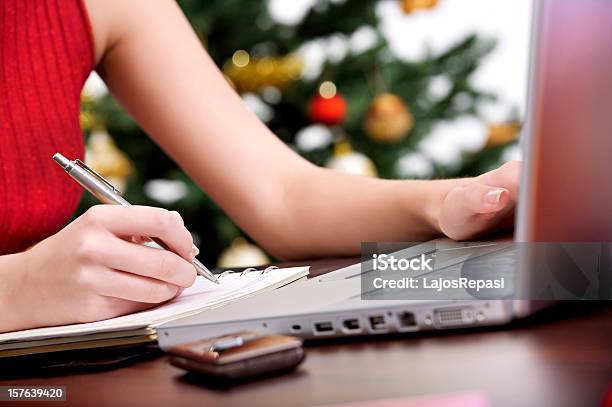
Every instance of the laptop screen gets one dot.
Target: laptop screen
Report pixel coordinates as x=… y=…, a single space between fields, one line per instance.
x=567 y=191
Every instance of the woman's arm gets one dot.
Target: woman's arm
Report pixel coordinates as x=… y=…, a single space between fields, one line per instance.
x=155 y=65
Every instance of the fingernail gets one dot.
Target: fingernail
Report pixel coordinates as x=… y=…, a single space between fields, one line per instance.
x=492 y=197
x=194 y=252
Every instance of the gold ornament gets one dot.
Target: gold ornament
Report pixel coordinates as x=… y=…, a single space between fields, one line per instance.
x=103 y=156
x=409 y=6
x=502 y=133
x=388 y=119
x=88 y=121
x=87 y=118
x=248 y=74
x=242 y=254
x=347 y=160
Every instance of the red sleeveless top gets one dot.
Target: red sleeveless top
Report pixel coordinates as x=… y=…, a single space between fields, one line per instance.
x=46 y=54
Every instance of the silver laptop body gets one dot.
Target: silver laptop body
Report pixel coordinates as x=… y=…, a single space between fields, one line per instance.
x=565 y=195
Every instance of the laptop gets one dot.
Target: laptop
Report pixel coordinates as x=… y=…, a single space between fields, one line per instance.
x=565 y=196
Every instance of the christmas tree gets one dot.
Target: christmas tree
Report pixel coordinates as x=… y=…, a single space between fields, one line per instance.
x=361 y=110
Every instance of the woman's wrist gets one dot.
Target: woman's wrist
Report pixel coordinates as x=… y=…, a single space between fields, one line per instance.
x=13 y=292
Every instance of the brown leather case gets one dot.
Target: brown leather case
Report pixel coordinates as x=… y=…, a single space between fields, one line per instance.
x=256 y=356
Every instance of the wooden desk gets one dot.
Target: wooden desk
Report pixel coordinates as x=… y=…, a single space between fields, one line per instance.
x=561 y=357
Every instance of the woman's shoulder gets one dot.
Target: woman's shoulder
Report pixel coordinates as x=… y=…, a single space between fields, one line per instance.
x=112 y=20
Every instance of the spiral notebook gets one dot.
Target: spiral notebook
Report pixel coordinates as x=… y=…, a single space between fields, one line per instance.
x=140 y=327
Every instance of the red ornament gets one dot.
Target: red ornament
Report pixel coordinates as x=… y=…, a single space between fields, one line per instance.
x=327 y=110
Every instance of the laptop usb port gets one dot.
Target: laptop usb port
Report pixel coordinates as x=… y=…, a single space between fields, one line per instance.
x=322 y=328
x=351 y=325
x=406 y=320
x=377 y=323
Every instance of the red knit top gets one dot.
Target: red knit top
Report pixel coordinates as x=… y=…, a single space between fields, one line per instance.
x=46 y=54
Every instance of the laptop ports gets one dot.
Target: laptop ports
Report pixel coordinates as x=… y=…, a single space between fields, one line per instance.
x=351 y=325
x=452 y=317
x=406 y=321
x=378 y=323
x=323 y=328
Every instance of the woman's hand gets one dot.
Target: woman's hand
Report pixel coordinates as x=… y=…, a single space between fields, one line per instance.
x=482 y=204
x=91 y=270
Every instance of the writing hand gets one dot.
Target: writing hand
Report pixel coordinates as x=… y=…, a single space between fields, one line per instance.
x=92 y=270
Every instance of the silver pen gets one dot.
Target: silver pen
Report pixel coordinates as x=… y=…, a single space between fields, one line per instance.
x=108 y=194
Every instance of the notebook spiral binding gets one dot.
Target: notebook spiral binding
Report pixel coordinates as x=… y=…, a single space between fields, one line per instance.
x=247 y=271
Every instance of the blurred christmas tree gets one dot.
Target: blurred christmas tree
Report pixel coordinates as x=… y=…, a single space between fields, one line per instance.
x=362 y=110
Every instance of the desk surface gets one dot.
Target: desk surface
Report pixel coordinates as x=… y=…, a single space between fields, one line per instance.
x=561 y=357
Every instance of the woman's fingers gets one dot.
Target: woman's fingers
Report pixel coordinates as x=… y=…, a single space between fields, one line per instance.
x=463 y=203
x=476 y=198
x=481 y=204
x=471 y=209
x=507 y=176
x=144 y=221
x=129 y=271
x=132 y=287
x=148 y=262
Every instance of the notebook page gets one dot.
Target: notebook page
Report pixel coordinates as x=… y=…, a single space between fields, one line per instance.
x=201 y=296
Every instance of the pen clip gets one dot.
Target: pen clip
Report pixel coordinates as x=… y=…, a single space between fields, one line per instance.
x=95 y=174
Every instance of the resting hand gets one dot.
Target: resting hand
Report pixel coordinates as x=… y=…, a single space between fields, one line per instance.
x=92 y=270
x=482 y=204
